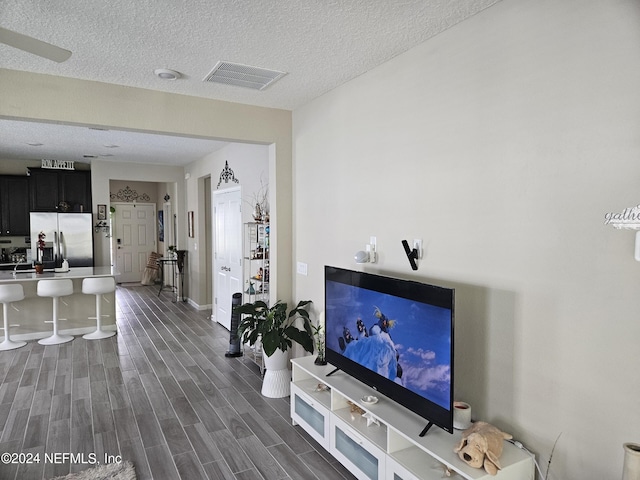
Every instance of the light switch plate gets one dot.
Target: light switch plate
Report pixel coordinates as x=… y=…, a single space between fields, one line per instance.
x=302 y=268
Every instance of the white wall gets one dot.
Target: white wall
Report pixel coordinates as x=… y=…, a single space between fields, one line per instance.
x=502 y=143
x=250 y=165
x=46 y=98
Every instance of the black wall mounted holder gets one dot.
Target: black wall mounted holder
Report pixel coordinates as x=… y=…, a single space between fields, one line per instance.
x=412 y=254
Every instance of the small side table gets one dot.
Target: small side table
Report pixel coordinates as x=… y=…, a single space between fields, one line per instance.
x=170 y=263
x=175 y=265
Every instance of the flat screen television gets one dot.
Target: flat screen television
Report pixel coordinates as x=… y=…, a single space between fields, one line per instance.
x=395 y=336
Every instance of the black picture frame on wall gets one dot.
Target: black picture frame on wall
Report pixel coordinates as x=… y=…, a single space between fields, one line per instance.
x=102 y=212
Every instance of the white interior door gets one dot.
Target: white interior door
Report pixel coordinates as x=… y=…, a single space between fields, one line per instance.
x=134 y=238
x=227 y=248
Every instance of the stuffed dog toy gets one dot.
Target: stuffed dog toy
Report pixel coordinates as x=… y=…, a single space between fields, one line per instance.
x=481 y=446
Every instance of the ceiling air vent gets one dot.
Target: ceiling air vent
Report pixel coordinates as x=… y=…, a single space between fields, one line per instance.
x=243 y=75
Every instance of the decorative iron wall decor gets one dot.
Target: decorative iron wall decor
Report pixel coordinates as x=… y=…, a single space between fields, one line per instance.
x=226 y=175
x=128 y=195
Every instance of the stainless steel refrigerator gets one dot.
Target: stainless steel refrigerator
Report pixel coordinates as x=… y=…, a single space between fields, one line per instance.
x=67 y=236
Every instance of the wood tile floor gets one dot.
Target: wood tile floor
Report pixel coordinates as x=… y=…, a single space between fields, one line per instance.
x=160 y=393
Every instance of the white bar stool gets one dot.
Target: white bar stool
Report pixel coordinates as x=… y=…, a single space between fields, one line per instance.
x=55 y=289
x=98 y=286
x=10 y=293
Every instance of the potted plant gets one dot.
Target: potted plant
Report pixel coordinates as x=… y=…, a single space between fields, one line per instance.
x=277 y=331
x=274 y=326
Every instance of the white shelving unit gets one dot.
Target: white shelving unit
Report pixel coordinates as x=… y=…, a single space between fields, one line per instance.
x=255 y=271
x=256 y=262
x=391 y=450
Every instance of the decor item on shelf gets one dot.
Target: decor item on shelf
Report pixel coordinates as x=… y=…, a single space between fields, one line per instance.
x=441 y=467
x=257 y=213
x=40 y=244
x=318 y=334
x=371 y=420
x=260 y=204
x=277 y=332
x=354 y=410
x=481 y=446
x=172 y=251
x=461 y=415
x=631 y=468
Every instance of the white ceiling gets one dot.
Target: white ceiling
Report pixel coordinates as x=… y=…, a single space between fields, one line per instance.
x=320 y=44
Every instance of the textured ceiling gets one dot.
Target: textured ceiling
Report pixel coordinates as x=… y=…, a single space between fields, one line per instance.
x=320 y=44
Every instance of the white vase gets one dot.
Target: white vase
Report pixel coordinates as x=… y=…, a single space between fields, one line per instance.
x=277 y=377
x=631 y=469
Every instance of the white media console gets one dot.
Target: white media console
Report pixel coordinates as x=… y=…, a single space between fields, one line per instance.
x=390 y=450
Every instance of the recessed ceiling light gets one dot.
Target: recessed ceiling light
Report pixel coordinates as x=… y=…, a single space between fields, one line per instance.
x=89 y=156
x=34 y=144
x=111 y=146
x=165 y=74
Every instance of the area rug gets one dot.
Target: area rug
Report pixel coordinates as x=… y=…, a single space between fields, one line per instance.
x=110 y=471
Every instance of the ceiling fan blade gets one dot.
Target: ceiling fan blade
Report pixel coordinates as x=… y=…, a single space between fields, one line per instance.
x=31 y=45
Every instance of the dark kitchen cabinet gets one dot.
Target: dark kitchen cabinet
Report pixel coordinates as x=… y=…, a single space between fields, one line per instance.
x=60 y=190
x=14 y=205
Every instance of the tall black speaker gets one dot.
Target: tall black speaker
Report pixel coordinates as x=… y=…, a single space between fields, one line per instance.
x=234 y=339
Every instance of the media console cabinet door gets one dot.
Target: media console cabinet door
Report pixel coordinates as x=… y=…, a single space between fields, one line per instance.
x=361 y=457
x=312 y=416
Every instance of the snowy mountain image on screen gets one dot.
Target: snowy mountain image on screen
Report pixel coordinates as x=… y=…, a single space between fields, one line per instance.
x=376 y=352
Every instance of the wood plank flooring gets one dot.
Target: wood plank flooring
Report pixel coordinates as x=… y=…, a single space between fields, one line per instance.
x=160 y=393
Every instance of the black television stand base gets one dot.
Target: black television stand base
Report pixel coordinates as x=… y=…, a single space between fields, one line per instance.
x=426 y=429
x=332 y=372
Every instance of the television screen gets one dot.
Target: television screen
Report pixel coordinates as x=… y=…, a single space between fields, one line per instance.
x=395 y=336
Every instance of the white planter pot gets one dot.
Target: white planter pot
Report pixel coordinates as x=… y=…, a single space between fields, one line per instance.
x=277 y=377
x=631 y=469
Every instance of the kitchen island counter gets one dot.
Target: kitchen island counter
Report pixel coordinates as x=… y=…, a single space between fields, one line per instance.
x=75 y=308
x=8 y=276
